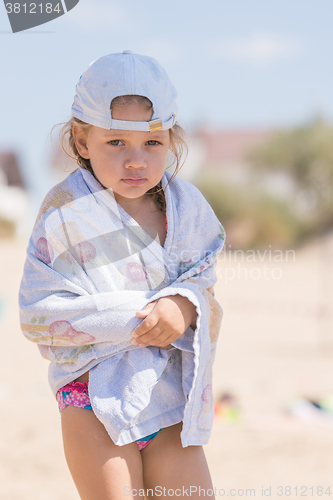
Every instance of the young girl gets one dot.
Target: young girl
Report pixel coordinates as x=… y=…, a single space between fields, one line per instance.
x=118 y=294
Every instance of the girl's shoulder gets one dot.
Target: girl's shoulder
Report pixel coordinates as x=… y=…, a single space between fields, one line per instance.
x=62 y=194
x=184 y=190
x=194 y=219
x=187 y=198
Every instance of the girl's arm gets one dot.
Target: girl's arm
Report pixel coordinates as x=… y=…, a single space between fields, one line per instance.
x=57 y=311
x=167 y=318
x=165 y=321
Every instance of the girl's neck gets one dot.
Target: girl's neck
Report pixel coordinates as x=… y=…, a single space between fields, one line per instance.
x=134 y=206
x=148 y=215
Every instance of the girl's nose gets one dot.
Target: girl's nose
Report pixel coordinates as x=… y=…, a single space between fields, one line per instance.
x=135 y=159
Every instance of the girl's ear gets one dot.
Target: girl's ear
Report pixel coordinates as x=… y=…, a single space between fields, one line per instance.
x=80 y=138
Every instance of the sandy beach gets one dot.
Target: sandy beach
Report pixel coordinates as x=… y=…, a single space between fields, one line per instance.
x=275 y=346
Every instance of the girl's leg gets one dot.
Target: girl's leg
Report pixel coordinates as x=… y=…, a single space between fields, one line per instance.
x=100 y=469
x=169 y=466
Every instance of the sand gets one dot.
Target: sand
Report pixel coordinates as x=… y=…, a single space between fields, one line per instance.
x=275 y=345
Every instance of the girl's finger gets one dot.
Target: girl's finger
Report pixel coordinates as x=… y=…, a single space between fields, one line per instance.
x=146 y=310
x=146 y=326
x=167 y=341
x=153 y=337
x=146 y=337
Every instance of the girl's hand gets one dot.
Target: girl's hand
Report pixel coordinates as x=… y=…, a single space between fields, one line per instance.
x=166 y=320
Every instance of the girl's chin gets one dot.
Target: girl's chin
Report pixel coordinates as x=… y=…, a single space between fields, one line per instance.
x=121 y=196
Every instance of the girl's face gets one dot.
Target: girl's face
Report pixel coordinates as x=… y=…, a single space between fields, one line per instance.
x=128 y=162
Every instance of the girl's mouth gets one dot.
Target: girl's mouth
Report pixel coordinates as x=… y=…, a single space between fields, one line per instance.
x=135 y=182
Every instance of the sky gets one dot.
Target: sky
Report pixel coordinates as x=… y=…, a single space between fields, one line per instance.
x=236 y=64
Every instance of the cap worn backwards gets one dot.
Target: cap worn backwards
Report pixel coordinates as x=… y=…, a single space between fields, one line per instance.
x=121 y=74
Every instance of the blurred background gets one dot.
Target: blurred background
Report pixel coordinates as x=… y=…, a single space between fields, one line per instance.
x=255 y=82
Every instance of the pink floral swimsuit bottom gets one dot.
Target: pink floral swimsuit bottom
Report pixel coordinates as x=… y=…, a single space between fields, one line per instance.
x=77 y=394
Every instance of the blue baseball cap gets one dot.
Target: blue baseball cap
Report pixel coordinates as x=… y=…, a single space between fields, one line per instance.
x=124 y=74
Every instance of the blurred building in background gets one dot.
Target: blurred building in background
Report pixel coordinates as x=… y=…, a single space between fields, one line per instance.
x=226 y=151
x=14 y=200
x=225 y=155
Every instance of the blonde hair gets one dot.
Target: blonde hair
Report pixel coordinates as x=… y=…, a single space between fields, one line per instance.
x=178 y=145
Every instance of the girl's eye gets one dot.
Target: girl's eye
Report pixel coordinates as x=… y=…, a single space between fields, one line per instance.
x=113 y=142
x=155 y=142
